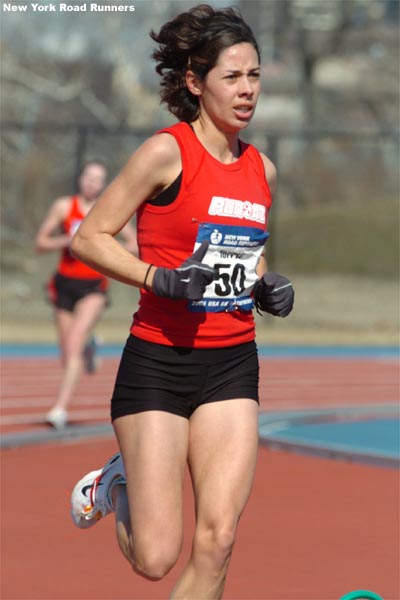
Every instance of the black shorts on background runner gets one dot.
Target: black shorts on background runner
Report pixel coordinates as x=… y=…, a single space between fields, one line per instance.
x=65 y=292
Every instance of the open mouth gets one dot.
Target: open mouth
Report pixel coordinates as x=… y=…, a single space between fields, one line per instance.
x=244 y=111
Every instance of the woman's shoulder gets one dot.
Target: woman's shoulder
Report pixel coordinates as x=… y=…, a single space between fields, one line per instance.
x=161 y=147
x=62 y=205
x=152 y=166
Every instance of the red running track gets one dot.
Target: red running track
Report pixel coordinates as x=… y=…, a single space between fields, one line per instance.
x=29 y=387
x=314 y=529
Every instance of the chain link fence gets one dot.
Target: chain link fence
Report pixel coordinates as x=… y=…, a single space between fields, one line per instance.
x=334 y=222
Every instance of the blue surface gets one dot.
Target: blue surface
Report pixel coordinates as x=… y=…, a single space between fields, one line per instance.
x=48 y=350
x=331 y=351
x=377 y=436
x=114 y=350
x=369 y=434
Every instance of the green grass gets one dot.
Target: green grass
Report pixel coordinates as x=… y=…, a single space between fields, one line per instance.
x=356 y=239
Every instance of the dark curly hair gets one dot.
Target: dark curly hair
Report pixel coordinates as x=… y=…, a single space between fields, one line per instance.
x=194 y=40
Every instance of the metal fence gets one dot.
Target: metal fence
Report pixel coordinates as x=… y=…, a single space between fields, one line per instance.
x=317 y=169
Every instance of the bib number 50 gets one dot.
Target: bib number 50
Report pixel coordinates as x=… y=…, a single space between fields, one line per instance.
x=229 y=281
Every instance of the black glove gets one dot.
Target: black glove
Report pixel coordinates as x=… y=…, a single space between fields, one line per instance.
x=187 y=281
x=273 y=293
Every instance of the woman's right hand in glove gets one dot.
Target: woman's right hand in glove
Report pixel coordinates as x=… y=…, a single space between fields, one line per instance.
x=187 y=281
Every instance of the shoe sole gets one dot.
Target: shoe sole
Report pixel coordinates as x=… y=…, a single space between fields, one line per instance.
x=92 y=481
x=81 y=514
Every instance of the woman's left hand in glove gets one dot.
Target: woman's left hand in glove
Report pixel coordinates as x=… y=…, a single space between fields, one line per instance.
x=274 y=293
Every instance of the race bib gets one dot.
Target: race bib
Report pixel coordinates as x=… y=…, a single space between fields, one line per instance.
x=75 y=224
x=233 y=253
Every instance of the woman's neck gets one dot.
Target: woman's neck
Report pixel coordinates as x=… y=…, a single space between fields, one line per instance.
x=85 y=203
x=223 y=146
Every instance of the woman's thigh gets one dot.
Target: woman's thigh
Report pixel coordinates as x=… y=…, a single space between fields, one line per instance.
x=87 y=312
x=64 y=320
x=84 y=317
x=154 y=447
x=223 y=445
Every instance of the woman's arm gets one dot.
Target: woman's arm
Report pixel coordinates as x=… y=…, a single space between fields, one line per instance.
x=271 y=176
x=270 y=173
x=45 y=240
x=262 y=266
x=149 y=170
x=273 y=293
x=129 y=239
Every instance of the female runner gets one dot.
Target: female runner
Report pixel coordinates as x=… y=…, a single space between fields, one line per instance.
x=187 y=387
x=77 y=292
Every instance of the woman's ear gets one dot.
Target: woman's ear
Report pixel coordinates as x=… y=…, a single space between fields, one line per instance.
x=192 y=83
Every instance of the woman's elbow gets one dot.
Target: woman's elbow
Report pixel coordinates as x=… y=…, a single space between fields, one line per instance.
x=39 y=247
x=132 y=247
x=76 y=246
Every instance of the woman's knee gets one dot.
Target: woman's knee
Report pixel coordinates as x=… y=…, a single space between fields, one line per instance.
x=75 y=345
x=215 y=541
x=154 y=562
x=148 y=555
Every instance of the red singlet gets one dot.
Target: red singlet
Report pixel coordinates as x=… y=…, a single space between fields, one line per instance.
x=68 y=265
x=226 y=204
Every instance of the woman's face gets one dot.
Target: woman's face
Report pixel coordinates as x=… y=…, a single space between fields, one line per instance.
x=229 y=93
x=92 y=181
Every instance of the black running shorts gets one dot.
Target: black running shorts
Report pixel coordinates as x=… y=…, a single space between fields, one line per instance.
x=65 y=292
x=178 y=380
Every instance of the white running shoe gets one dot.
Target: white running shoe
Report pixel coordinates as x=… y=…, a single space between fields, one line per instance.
x=57 y=418
x=91 y=498
x=90 y=354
